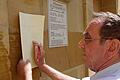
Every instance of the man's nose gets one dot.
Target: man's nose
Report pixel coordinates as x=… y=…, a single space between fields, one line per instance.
x=81 y=44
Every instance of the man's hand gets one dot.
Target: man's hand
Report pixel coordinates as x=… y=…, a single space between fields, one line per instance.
x=51 y=72
x=24 y=70
x=38 y=54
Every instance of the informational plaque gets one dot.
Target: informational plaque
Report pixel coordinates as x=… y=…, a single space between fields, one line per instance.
x=57 y=23
x=31 y=29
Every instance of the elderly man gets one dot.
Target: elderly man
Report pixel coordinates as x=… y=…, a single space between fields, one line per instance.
x=101 y=47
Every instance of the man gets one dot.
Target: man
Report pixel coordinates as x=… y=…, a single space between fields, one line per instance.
x=101 y=47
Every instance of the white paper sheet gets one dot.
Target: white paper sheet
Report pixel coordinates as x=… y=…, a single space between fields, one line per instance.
x=31 y=29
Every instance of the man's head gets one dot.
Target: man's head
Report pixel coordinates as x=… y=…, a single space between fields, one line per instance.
x=101 y=41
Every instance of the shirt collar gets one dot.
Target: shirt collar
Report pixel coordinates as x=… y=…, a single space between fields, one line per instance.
x=106 y=72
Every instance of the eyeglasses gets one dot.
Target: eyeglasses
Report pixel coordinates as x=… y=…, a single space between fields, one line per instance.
x=86 y=37
x=88 y=40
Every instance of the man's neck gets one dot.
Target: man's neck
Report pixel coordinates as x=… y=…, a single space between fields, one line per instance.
x=112 y=61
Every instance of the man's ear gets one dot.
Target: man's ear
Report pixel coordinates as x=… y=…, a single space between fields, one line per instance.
x=112 y=47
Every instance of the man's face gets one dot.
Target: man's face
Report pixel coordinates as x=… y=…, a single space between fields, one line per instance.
x=93 y=49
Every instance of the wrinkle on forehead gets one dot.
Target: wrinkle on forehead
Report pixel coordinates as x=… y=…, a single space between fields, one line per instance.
x=96 y=21
x=94 y=26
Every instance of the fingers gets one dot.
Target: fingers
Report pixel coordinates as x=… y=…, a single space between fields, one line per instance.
x=35 y=43
x=27 y=61
x=22 y=64
x=24 y=70
x=38 y=53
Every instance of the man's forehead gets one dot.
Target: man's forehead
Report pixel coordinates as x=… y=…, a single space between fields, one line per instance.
x=93 y=27
x=96 y=21
x=94 y=24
